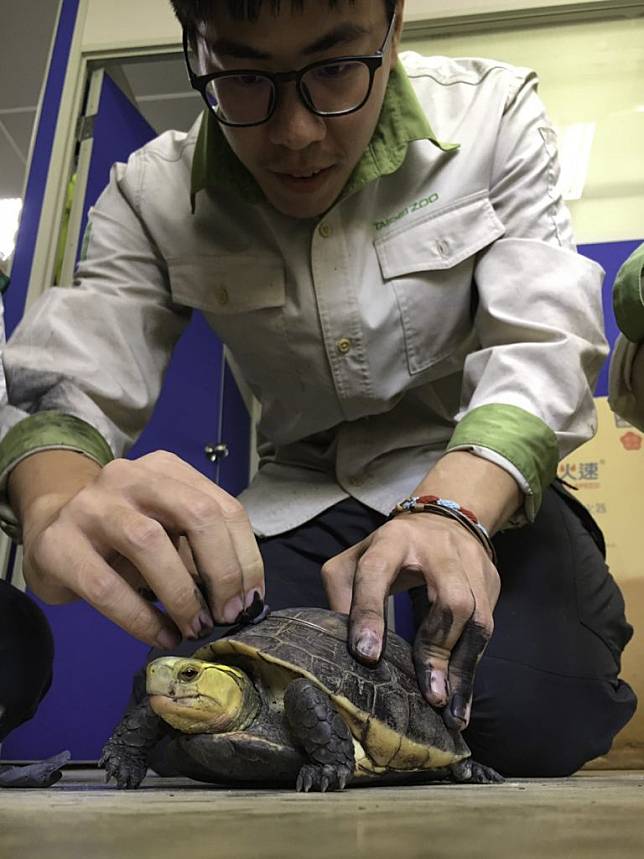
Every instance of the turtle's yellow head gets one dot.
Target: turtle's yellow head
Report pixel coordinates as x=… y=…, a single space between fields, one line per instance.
x=198 y=697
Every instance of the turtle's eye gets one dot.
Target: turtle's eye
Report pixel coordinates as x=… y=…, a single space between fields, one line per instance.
x=188 y=673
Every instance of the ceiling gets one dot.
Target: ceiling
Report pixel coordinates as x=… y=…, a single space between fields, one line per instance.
x=29 y=25
x=159 y=86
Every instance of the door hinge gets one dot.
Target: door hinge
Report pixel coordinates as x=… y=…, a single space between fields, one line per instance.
x=85 y=129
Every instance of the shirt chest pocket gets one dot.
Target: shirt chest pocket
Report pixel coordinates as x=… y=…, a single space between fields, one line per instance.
x=242 y=298
x=430 y=267
x=228 y=285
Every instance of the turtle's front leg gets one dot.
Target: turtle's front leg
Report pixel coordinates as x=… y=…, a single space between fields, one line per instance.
x=125 y=754
x=317 y=725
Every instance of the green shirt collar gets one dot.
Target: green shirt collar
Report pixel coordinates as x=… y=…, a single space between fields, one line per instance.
x=402 y=120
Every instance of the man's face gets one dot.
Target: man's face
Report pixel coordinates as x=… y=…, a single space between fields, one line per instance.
x=283 y=153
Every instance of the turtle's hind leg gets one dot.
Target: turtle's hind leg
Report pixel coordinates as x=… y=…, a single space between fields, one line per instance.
x=470 y=772
x=125 y=754
x=321 y=730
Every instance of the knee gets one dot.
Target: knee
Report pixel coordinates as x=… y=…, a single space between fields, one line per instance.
x=545 y=726
x=26 y=657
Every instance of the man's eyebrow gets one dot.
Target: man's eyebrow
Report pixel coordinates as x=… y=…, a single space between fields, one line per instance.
x=342 y=34
x=238 y=50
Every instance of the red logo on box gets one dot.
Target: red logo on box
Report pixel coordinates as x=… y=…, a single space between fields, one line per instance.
x=631 y=441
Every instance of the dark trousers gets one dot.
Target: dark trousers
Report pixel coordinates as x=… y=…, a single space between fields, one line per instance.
x=547 y=695
x=26 y=658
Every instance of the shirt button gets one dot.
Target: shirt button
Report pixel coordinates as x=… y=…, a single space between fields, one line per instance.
x=325 y=230
x=222 y=295
x=442 y=247
x=343 y=346
x=357 y=480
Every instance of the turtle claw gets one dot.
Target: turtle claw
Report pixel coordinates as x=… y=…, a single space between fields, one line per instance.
x=304 y=780
x=127 y=769
x=485 y=775
x=321 y=778
x=471 y=772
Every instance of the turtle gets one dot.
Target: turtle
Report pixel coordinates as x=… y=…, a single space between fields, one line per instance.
x=283 y=702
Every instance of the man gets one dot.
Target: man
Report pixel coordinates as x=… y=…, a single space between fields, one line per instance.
x=405 y=301
x=626 y=385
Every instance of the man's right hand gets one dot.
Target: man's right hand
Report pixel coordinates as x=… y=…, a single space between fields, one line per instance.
x=108 y=535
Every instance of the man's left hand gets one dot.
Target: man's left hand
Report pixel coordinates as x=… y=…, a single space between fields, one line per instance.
x=462 y=588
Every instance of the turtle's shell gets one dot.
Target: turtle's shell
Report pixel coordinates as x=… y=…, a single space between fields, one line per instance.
x=395 y=729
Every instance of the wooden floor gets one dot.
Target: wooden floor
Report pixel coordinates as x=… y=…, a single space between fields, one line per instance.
x=598 y=814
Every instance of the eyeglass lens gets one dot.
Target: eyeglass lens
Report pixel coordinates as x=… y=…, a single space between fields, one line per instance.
x=329 y=88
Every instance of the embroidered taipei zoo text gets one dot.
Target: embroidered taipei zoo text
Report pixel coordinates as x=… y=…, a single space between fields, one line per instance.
x=408 y=210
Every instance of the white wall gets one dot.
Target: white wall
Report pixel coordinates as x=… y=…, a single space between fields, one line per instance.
x=590 y=73
x=111 y=24
x=420 y=10
x=131 y=23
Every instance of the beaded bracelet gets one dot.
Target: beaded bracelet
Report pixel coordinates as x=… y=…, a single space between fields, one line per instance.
x=450 y=510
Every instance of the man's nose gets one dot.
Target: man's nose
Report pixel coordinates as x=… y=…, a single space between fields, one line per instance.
x=293 y=125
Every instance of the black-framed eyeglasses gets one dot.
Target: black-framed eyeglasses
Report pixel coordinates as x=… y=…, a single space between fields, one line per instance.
x=246 y=97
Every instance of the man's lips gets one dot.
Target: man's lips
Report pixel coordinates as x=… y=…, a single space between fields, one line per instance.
x=301 y=172
x=301 y=182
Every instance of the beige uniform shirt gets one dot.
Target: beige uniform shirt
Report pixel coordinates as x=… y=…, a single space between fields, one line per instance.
x=439 y=304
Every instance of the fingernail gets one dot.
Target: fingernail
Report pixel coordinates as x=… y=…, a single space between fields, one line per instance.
x=232 y=610
x=368 y=645
x=251 y=597
x=460 y=708
x=438 y=687
x=167 y=640
x=253 y=606
x=203 y=624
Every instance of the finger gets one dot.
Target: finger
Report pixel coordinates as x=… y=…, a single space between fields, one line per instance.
x=231 y=585
x=465 y=658
x=185 y=553
x=45 y=586
x=87 y=575
x=249 y=561
x=129 y=573
x=229 y=565
x=144 y=542
x=221 y=540
x=452 y=606
x=337 y=576
x=376 y=570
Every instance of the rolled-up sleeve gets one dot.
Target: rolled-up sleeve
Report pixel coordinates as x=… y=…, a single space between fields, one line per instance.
x=528 y=389
x=84 y=367
x=628 y=302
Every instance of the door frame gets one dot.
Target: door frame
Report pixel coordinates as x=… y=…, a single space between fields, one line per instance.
x=75 y=104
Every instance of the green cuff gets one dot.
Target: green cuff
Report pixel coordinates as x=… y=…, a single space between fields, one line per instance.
x=628 y=302
x=52 y=431
x=518 y=436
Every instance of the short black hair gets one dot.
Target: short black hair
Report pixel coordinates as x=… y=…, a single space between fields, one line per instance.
x=192 y=12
